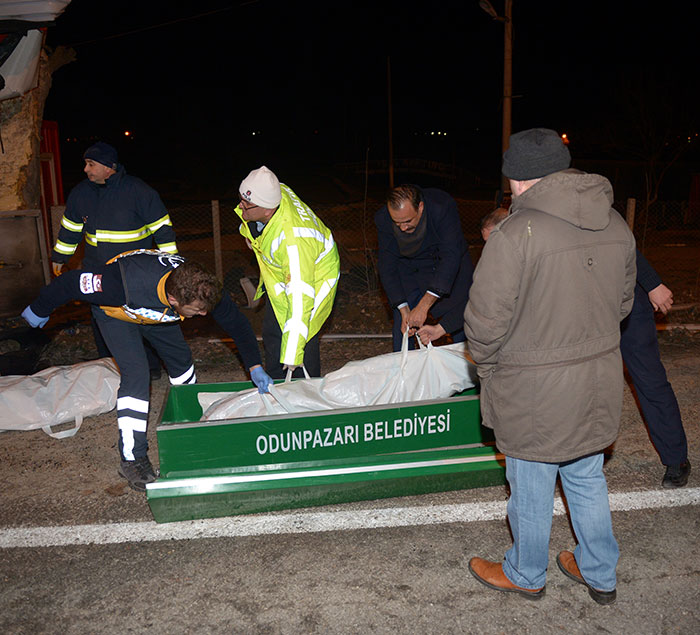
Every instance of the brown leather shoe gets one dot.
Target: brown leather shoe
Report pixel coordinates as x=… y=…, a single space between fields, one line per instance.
x=567 y=565
x=491 y=574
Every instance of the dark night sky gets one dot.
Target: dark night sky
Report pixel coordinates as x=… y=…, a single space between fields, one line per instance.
x=310 y=78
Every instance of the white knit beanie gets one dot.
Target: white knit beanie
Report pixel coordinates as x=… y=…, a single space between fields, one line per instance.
x=262 y=188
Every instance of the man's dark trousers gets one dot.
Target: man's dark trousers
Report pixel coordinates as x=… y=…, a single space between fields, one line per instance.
x=639 y=345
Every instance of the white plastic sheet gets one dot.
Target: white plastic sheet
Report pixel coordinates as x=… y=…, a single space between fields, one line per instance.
x=57 y=395
x=21 y=68
x=427 y=373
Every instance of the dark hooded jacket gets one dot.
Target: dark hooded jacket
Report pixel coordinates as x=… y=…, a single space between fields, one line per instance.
x=543 y=319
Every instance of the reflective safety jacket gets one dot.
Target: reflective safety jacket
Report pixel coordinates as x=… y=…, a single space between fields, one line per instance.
x=144 y=273
x=299 y=270
x=122 y=215
x=132 y=288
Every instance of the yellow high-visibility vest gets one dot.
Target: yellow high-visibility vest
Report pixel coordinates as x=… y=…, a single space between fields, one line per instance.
x=299 y=269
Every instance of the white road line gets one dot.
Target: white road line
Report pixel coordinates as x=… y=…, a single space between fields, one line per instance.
x=305 y=521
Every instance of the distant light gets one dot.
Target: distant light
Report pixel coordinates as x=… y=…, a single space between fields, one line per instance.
x=432 y=133
x=565 y=139
x=254 y=133
x=127 y=133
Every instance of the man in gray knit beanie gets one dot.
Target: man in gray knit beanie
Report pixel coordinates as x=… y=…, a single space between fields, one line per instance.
x=535 y=153
x=543 y=326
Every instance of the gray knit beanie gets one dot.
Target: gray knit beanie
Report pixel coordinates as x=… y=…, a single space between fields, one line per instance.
x=535 y=153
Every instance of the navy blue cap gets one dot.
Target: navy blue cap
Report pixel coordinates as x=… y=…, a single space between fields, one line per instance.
x=102 y=153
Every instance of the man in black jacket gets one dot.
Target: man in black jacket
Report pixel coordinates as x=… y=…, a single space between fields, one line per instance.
x=140 y=295
x=113 y=212
x=424 y=262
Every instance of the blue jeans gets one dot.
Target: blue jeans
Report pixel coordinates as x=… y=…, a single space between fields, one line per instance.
x=530 y=508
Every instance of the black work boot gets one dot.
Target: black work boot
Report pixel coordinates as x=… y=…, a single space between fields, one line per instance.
x=137 y=473
x=676 y=475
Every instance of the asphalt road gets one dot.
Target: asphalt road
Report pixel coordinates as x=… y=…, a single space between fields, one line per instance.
x=79 y=553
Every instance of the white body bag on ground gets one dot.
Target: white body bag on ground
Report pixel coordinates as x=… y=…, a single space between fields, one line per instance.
x=432 y=372
x=59 y=394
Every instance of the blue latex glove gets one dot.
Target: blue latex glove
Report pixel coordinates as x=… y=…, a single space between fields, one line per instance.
x=33 y=319
x=260 y=378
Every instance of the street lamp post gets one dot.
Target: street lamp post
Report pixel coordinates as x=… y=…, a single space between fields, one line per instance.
x=507 y=20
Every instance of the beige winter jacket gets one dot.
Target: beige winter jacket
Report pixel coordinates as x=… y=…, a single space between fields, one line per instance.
x=543 y=319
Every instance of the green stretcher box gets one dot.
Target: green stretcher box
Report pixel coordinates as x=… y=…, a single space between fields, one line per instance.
x=256 y=464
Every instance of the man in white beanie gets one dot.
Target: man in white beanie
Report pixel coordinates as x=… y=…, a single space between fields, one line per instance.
x=299 y=271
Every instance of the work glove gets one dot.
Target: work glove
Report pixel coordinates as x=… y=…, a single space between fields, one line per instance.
x=33 y=319
x=261 y=379
x=57 y=268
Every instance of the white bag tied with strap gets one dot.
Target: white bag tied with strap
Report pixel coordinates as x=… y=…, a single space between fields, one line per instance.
x=59 y=394
x=427 y=373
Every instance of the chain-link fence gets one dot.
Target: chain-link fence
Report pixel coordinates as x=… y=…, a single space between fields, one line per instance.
x=208 y=232
x=666 y=233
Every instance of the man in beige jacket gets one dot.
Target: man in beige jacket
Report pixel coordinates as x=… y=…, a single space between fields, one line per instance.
x=543 y=325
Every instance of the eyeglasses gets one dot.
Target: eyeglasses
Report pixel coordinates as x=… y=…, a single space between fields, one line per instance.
x=245 y=205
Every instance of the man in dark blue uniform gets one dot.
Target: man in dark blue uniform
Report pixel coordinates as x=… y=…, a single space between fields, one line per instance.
x=114 y=212
x=640 y=352
x=144 y=295
x=424 y=263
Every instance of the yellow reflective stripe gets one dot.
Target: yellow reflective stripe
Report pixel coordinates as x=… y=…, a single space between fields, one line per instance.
x=105 y=236
x=161 y=222
x=171 y=248
x=65 y=248
x=71 y=226
x=117 y=236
